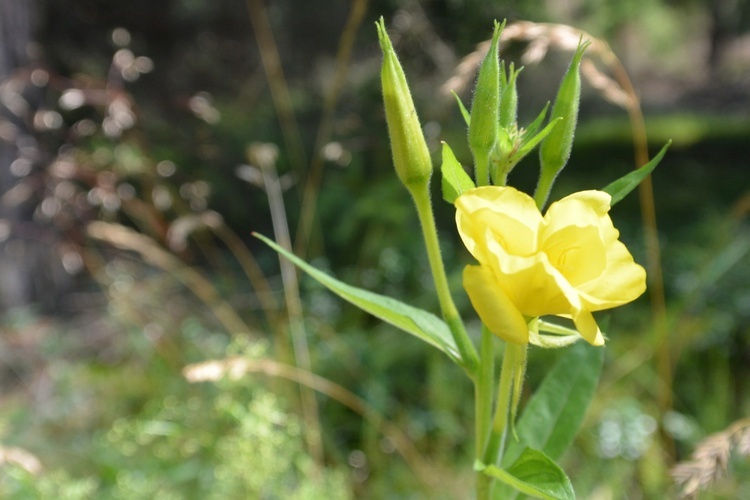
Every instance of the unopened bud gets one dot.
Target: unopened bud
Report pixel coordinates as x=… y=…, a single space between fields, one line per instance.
x=554 y=151
x=410 y=154
x=508 y=96
x=485 y=110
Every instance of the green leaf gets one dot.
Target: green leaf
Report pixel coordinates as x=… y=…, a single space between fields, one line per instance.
x=455 y=178
x=534 y=126
x=556 y=410
x=421 y=324
x=535 y=474
x=464 y=111
x=531 y=142
x=625 y=184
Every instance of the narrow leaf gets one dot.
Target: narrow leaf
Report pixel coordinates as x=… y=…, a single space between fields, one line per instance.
x=534 y=126
x=625 y=184
x=535 y=474
x=464 y=112
x=421 y=324
x=555 y=412
x=455 y=179
x=531 y=143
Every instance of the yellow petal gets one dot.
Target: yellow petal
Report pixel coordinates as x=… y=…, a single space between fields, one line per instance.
x=585 y=208
x=601 y=268
x=501 y=199
x=587 y=327
x=577 y=252
x=493 y=306
x=531 y=283
x=599 y=201
x=621 y=282
x=497 y=213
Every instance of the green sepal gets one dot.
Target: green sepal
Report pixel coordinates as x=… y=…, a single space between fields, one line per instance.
x=546 y=326
x=553 y=341
x=562 y=336
x=625 y=184
x=455 y=180
x=519 y=375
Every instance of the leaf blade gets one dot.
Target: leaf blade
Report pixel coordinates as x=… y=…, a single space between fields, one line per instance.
x=624 y=185
x=422 y=324
x=462 y=108
x=535 y=474
x=555 y=412
x=455 y=180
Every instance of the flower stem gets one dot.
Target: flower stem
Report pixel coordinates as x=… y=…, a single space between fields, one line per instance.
x=482 y=168
x=514 y=359
x=543 y=189
x=421 y=195
x=483 y=391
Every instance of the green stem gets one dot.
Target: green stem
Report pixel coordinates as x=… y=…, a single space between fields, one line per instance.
x=543 y=189
x=421 y=195
x=483 y=391
x=482 y=168
x=514 y=359
x=484 y=486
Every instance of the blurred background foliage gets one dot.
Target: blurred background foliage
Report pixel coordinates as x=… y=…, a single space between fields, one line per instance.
x=129 y=192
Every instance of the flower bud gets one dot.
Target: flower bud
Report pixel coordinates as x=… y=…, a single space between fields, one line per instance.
x=410 y=154
x=485 y=110
x=555 y=149
x=508 y=96
x=509 y=136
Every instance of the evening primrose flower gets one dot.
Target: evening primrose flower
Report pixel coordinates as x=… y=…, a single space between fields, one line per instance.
x=568 y=262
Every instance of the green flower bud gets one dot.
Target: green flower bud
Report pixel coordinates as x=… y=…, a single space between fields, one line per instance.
x=508 y=96
x=410 y=154
x=554 y=151
x=508 y=135
x=485 y=110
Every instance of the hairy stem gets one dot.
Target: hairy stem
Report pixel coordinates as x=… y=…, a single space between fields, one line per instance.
x=421 y=195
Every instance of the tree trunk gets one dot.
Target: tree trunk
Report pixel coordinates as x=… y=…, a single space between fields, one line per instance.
x=26 y=259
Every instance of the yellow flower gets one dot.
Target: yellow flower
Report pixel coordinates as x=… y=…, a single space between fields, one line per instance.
x=568 y=263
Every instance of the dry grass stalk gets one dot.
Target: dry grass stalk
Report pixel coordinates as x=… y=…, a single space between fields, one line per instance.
x=237 y=367
x=709 y=461
x=152 y=253
x=541 y=37
x=20 y=458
